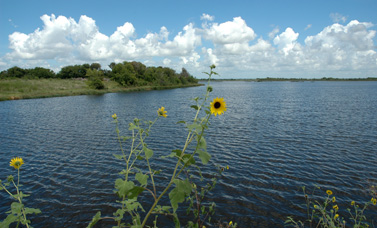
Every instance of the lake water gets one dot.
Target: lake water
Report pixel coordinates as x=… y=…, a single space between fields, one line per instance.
x=275 y=137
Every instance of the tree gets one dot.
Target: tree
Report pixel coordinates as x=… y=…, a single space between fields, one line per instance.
x=96 y=66
x=95 y=79
x=40 y=72
x=16 y=72
x=124 y=74
x=76 y=71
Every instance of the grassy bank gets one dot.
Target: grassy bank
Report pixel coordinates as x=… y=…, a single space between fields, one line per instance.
x=14 y=89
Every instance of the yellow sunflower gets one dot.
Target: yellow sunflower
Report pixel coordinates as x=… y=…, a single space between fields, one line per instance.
x=161 y=112
x=16 y=162
x=218 y=106
x=114 y=116
x=329 y=192
x=374 y=201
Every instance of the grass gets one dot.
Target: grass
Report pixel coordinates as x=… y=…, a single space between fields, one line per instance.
x=14 y=89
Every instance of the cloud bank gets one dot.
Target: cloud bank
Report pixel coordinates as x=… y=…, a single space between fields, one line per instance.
x=338 y=50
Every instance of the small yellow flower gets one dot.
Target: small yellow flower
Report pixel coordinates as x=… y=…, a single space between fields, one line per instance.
x=227 y=167
x=218 y=106
x=333 y=199
x=336 y=216
x=329 y=192
x=316 y=206
x=16 y=162
x=336 y=207
x=374 y=201
x=352 y=203
x=161 y=112
x=114 y=116
x=230 y=223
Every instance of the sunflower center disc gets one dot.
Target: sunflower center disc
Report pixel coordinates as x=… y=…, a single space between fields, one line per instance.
x=217 y=105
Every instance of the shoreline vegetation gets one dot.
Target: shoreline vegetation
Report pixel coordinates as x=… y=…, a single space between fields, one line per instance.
x=89 y=79
x=17 y=89
x=268 y=79
x=17 y=83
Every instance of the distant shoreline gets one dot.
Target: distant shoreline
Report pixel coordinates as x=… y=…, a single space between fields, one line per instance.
x=19 y=89
x=296 y=79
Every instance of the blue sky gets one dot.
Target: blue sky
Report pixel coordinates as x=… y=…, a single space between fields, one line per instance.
x=245 y=39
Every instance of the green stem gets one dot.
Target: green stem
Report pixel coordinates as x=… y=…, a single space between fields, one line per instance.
x=19 y=198
x=188 y=141
x=149 y=167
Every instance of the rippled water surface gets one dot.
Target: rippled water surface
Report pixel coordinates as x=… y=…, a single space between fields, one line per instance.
x=275 y=136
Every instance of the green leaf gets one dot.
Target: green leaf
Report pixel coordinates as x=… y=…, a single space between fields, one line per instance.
x=172 y=154
x=135 y=192
x=202 y=151
x=95 y=219
x=166 y=208
x=204 y=156
x=133 y=205
x=148 y=152
x=16 y=208
x=139 y=157
x=196 y=126
x=182 y=121
x=132 y=127
x=177 y=152
x=176 y=221
x=202 y=144
x=11 y=218
x=123 y=187
x=179 y=193
x=188 y=159
x=10 y=178
x=124 y=138
x=142 y=178
x=29 y=210
x=119 y=214
x=194 y=107
x=119 y=157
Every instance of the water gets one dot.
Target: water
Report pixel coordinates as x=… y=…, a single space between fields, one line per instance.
x=275 y=136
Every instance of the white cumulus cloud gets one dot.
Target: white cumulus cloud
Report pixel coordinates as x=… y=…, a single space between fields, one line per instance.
x=207 y=17
x=232 y=45
x=229 y=32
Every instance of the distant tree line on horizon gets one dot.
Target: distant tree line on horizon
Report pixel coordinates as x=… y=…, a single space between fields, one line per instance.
x=125 y=73
x=316 y=79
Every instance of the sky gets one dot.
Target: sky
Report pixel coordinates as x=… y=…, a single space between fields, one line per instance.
x=243 y=38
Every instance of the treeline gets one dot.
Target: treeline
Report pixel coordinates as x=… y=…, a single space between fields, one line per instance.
x=315 y=79
x=126 y=74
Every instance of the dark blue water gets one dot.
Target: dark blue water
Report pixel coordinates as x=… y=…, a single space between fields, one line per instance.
x=275 y=136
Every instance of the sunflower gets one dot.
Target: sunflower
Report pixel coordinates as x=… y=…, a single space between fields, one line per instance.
x=16 y=162
x=374 y=201
x=329 y=192
x=218 y=106
x=161 y=112
x=114 y=116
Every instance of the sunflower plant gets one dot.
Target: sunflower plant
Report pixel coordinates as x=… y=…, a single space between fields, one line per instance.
x=326 y=213
x=136 y=182
x=18 y=211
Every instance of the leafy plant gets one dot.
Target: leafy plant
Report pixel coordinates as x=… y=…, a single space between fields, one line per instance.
x=135 y=181
x=18 y=210
x=325 y=213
